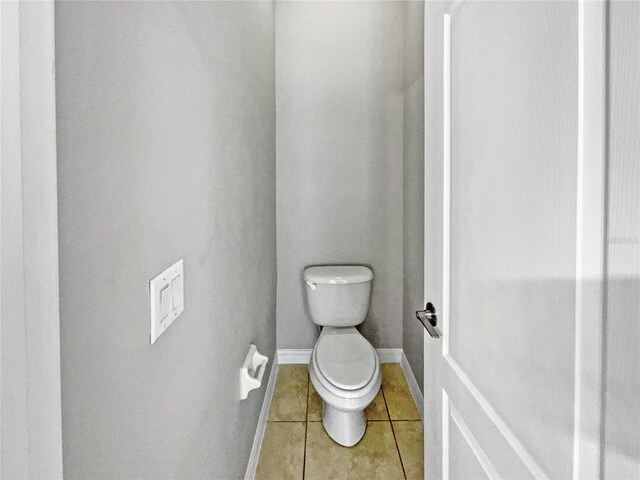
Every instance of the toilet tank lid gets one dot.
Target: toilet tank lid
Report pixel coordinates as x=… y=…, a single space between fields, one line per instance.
x=338 y=274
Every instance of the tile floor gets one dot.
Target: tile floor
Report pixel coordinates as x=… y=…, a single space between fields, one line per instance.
x=295 y=445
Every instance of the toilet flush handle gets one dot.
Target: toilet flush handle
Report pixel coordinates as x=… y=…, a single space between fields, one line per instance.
x=312 y=285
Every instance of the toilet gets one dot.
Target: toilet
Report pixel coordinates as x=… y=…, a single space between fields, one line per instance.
x=344 y=366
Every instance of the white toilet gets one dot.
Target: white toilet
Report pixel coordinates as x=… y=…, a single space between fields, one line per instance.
x=344 y=367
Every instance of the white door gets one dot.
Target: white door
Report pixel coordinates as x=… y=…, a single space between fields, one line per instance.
x=514 y=218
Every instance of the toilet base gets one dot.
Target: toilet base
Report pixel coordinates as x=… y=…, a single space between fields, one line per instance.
x=344 y=427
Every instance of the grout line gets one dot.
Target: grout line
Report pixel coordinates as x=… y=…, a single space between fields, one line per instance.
x=285 y=421
x=394 y=433
x=306 y=430
x=387 y=420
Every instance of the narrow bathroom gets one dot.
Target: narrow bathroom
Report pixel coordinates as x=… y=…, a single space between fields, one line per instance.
x=348 y=410
x=321 y=240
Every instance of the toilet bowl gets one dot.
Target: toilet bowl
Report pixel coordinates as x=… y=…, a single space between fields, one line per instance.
x=345 y=371
x=344 y=367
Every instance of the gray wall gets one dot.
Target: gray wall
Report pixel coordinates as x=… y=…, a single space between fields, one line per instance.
x=413 y=190
x=339 y=153
x=166 y=150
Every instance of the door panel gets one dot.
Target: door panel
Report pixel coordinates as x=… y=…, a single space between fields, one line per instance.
x=468 y=461
x=492 y=436
x=512 y=232
x=514 y=241
x=622 y=404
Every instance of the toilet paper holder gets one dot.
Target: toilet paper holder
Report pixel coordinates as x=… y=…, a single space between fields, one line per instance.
x=252 y=371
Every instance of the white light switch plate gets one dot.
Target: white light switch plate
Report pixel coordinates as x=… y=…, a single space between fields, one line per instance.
x=166 y=299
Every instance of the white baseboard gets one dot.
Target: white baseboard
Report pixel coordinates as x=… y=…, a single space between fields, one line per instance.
x=300 y=356
x=385 y=355
x=413 y=385
x=294 y=356
x=252 y=465
x=389 y=355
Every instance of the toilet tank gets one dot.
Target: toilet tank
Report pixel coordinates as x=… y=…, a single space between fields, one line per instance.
x=338 y=295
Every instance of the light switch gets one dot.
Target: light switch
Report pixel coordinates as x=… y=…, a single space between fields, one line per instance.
x=166 y=299
x=178 y=292
x=166 y=303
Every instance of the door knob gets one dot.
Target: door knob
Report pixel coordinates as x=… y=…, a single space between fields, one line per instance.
x=429 y=319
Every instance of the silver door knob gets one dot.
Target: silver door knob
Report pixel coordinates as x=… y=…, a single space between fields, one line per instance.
x=429 y=319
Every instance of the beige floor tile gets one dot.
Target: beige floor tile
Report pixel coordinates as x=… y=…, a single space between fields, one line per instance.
x=397 y=394
x=376 y=411
x=314 y=407
x=289 y=402
x=375 y=457
x=410 y=439
x=282 y=453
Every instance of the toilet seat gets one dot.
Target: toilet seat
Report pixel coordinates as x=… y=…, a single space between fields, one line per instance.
x=346 y=360
x=345 y=371
x=369 y=367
